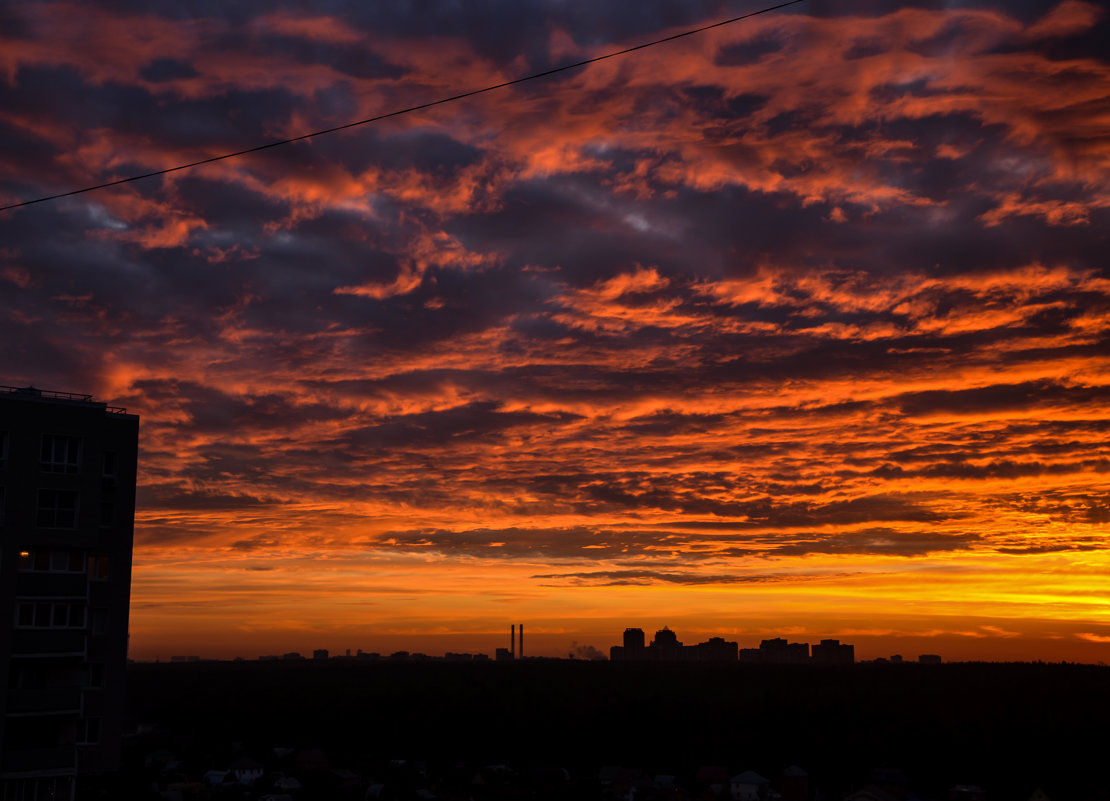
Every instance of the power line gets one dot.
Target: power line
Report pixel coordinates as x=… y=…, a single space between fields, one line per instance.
x=399 y=112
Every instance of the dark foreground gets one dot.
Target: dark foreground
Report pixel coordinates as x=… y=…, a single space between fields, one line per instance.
x=1008 y=728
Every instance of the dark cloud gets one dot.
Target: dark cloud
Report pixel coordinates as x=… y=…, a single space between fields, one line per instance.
x=682 y=543
x=162 y=497
x=167 y=69
x=607 y=578
x=999 y=398
x=881 y=541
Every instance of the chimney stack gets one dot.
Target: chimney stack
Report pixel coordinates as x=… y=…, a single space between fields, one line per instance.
x=512 y=642
x=521 y=640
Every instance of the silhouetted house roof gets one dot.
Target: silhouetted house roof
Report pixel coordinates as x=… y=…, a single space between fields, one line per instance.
x=218 y=776
x=966 y=792
x=748 y=786
x=346 y=778
x=871 y=792
x=247 y=770
x=794 y=785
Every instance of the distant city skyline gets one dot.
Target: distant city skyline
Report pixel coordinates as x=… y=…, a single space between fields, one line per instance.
x=747 y=646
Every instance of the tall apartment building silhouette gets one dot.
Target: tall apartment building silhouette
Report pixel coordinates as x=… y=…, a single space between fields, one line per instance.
x=67 y=509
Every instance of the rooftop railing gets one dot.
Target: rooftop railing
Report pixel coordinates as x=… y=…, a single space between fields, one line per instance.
x=35 y=392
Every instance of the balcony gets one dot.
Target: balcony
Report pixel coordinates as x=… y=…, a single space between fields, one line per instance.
x=51 y=585
x=48 y=642
x=58 y=760
x=44 y=701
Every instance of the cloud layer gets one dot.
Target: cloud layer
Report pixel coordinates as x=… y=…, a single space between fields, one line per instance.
x=800 y=310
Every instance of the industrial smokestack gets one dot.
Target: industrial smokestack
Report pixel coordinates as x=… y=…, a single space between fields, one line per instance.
x=521 y=640
x=512 y=642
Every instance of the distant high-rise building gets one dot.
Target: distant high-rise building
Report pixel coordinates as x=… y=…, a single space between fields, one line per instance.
x=833 y=652
x=67 y=507
x=666 y=647
x=715 y=649
x=749 y=655
x=633 y=641
x=779 y=650
x=632 y=650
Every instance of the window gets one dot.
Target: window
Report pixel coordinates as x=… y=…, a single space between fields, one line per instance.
x=57 y=509
x=99 y=621
x=44 y=560
x=94 y=674
x=107 y=513
x=25 y=677
x=108 y=471
x=60 y=454
x=50 y=615
x=66 y=561
x=88 y=730
x=98 y=567
x=35 y=789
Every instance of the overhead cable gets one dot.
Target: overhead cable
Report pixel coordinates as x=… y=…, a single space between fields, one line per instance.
x=399 y=112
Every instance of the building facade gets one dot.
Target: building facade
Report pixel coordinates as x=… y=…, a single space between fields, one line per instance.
x=67 y=508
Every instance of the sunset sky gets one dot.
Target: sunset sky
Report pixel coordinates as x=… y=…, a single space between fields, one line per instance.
x=799 y=326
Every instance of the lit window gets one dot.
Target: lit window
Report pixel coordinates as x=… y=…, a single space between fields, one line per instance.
x=60 y=454
x=57 y=509
x=44 y=560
